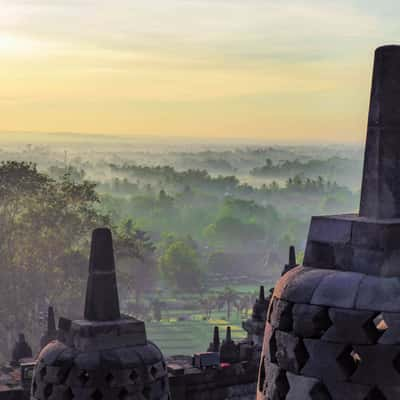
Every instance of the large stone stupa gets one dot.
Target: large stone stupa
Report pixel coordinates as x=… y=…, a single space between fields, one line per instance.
x=333 y=327
x=105 y=356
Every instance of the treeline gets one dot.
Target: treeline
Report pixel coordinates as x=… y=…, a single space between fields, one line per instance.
x=201 y=179
x=331 y=167
x=170 y=175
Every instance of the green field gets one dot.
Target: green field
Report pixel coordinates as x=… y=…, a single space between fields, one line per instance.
x=188 y=337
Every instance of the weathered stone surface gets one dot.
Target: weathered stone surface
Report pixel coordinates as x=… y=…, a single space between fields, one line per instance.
x=348 y=391
x=329 y=362
x=276 y=385
x=378 y=365
x=301 y=287
x=351 y=326
x=310 y=321
x=343 y=257
x=319 y=255
x=291 y=355
x=269 y=333
x=306 y=388
x=337 y=290
x=379 y=294
x=281 y=315
x=390 y=392
x=368 y=261
x=14 y=394
x=373 y=247
x=391 y=263
x=367 y=234
x=281 y=285
x=330 y=230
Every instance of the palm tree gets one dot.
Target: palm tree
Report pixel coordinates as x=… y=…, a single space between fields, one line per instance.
x=228 y=297
x=135 y=248
x=208 y=304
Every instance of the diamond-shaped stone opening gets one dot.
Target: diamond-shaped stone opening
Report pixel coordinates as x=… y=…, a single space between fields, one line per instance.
x=153 y=371
x=83 y=377
x=356 y=357
x=97 y=395
x=322 y=322
x=348 y=360
x=375 y=394
x=62 y=374
x=48 y=390
x=146 y=392
x=109 y=378
x=68 y=394
x=123 y=394
x=301 y=354
x=262 y=375
x=320 y=392
x=375 y=327
x=396 y=363
x=133 y=375
x=380 y=323
x=282 y=385
x=273 y=348
x=34 y=387
x=270 y=310
x=284 y=312
x=43 y=372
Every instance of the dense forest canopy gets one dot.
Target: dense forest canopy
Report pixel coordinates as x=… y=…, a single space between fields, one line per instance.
x=183 y=222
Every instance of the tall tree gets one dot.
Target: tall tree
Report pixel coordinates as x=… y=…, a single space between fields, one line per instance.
x=44 y=229
x=228 y=297
x=180 y=265
x=135 y=254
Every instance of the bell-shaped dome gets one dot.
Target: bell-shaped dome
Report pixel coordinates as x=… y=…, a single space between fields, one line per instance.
x=333 y=325
x=105 y=356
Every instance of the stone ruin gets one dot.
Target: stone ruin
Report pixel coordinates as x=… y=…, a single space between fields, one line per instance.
x=333 y=326
x=21 y=350
x=51 y=332
x=255 y=325
x=106 y=355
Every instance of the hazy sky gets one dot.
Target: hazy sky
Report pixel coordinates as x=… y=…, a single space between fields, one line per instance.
x=276 y=70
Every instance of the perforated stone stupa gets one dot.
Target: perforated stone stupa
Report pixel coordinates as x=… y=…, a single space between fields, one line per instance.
x=333 y=326
x=105 y=356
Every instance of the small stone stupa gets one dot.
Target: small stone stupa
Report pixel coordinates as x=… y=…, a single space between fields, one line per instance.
x=105 y=356
x=229 y=351
x=21 y=350
x=51 y=332
x=333 y=326
x=215 y=344
x=255 y=325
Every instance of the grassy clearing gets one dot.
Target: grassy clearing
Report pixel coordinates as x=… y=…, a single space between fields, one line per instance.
x=188 y=337
x=175 y=336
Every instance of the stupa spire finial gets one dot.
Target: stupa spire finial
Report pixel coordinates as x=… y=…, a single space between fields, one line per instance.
x=380 y=193
x=51 y=322
x=102 y=302
x=261 y=296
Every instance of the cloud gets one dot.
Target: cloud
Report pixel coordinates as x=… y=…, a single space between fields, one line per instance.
x=252 y=27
